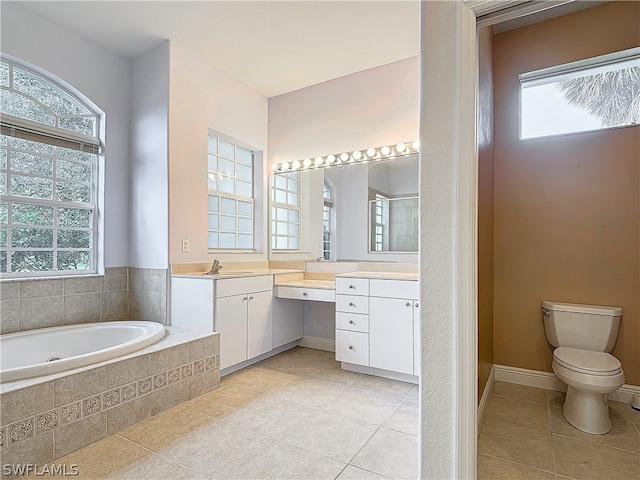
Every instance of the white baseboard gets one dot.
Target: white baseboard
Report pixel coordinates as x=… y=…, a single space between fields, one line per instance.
x=318 y=343
x=549 y=381
x=486 y=394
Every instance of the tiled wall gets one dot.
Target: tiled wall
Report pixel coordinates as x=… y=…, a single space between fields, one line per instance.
x=40 y=303
x=403 y=225
x=148 y=294
x=49 y=420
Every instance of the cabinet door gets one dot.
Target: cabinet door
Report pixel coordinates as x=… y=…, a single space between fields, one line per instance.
x=231 y=322
x=417 y=344
x=391 y=334
x=260 y=329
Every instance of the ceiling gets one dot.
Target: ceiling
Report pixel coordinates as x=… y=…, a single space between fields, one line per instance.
x=274 y=47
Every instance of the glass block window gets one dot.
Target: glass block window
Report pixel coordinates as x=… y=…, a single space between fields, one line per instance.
x=327 y=212
x=48 y=181
x=230 y=200
x=379 y=223
x=285 y=211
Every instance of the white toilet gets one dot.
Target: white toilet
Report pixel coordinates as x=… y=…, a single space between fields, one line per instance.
x=583 y=335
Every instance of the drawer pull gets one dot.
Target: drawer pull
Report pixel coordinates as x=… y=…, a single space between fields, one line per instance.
x=244 y=299
x=350 y=347
x=351 y=287
x=351 y=322
x=416 y=304
x=408 y=304
x=305 y=294
x=351 y=304
x=251 y=297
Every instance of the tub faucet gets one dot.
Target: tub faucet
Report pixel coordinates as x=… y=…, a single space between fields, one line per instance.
x=215 y=268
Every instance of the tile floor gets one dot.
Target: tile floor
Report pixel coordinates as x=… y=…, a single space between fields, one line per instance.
x=525 y=436
x=296 y=415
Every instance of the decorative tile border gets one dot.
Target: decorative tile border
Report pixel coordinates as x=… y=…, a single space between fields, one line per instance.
x=52 y=419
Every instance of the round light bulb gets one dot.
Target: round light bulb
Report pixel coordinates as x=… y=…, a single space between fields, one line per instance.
x=416 y=144
x=385 y=151
x=306 y=162
x=331 y=159
x=296 y=164
x=357 y=154
x=318 y=161
x=344 y=157
x=285 y=166
x=401 y=147
x=212 y=177
x=371 y=152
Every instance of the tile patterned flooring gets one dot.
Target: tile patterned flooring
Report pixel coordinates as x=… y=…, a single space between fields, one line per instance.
x=525 y=436
x=296 y=415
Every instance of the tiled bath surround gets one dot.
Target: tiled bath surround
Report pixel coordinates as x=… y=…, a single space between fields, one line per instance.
x=45 y=421
x=121 y=294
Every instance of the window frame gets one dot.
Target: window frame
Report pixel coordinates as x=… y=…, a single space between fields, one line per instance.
x=288 y=207
x=328 y=214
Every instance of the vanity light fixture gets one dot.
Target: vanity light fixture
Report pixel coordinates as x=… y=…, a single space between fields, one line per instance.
x=361 y=156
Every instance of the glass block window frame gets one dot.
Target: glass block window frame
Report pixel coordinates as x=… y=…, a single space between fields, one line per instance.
x=327 y=210
x=379 y=222
x=48 y=193
x=285 y=211
x=230 y=211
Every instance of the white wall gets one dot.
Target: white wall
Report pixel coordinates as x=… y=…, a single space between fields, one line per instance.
x=149 y=192
x=203 y=97
x=104 y=79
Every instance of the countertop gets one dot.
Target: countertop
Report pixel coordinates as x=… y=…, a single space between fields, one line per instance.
x=237 y=274
x=381 y=275
x=322 y=284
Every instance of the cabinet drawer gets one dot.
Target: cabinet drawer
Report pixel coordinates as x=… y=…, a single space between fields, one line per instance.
x=394 y=288
x=314 y=294
x=352 y=286
x=227 y=287
x=352 y=304
x=356 y=322
x=352 y=347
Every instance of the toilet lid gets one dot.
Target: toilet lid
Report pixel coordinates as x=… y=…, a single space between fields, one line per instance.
x=586 y=361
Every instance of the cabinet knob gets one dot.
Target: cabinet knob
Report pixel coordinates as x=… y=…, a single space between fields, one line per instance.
x=408 y=304
x=351 y=304
x=244 y=299
x=350 y=347
x=351 y=286
x=251 y=297
x=416 y=304
x=351 y=322
x=304 y=294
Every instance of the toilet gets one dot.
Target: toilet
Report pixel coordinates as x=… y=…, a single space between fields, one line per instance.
x=584 y=335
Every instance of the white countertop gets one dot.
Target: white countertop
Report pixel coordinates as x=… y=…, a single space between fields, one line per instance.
x=323 y=284
x=237 y=274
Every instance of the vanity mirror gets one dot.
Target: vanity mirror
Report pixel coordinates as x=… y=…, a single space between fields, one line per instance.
x=356 y=211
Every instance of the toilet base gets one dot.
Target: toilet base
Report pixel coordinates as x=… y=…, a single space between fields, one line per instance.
x=588 y=412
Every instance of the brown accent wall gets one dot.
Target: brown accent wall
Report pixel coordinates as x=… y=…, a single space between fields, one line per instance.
x=567 y=208
x=485 y=208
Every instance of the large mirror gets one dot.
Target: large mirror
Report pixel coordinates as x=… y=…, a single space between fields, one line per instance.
x=351 y=212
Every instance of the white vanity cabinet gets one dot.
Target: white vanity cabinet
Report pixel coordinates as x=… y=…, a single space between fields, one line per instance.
x=243 y=318
x=352 y=320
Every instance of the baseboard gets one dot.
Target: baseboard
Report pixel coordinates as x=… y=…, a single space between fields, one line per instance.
x=318 y=343
x=486 y=394
x=549 y=381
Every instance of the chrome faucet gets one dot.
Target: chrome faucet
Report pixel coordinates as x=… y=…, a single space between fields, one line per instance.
x=215 y=268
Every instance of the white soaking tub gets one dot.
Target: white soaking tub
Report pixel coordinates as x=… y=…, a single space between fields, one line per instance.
x=51 y=350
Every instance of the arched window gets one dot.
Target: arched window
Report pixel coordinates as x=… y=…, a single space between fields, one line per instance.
x=327 y=222
x=49 y=149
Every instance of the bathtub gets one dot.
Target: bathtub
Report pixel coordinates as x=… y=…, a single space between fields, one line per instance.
x=51 y=350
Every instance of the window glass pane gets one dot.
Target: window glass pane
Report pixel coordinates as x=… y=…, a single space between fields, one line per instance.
x=244 y=225
x=227 y=149
x=294 y=215
x=3 y=237
x=243 y=156
x=227 y=167
x=73 y=260
x=294 y=229
x=213 y=222
x=35 y=164
x=4 y=212
x=227 y=185
x=73 y=239
x=32 y=147
x=84 y=125
x=282 y=228
x=281 y=196
x=3 y=159
x=32 y=237
x=244 y=172
x=74 y=217
x=243 y=188
x=292 y=198
x=227 y=240
x=282 y=214
x=213 y=181
x=213 y=203
x=281 y=242
x=244 y=208
x=40 y=261
x=245 y=241
x=228 y=205
x=4 y=74
x=293 y=243
x=213 y=163
x=73 y=192
x=281 y=181
x=293 y=185
x=3 y=183
x=227 y=223
x=25 y=214
x=213 y=145
x=13 y=103
x=84 y=157
x=212 y=240
x=31 y=187
x=73 y=170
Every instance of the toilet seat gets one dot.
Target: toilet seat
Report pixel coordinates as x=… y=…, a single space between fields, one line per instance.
x=587 y=362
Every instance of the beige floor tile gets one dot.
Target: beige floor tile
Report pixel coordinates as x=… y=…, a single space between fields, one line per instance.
x=157 y=468
x=333 y=374
x=490 y=468
x=625 y=411
x=159 y=432
x=622 y=435
x=414 y=394
x=516 y=443
x=362 y=405
x=331 y=435
x=405 y=419
x=520 y=392
x=300 y=365
x=383 y=386
x=309 y=392
x=391 y=454
x=555 y=399
x=260 y=379
x=355 y=473
x=282 y=461
x=270 y=416
x=217 y=451
x=223 y=401
x=518 y=412
x=589 y=461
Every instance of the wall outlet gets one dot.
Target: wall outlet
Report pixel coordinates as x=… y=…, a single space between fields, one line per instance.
x=185 y=245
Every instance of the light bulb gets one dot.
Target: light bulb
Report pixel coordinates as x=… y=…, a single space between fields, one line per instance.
x=344 y=157
x=331 y=159
x=416 y=144
x=357 y=155
x=401 y=147
x=385 y=151
x=285 y=166
x=306 y=162
x=371 y=152
x=212 y=177
x=295 y=165
x=318 y=161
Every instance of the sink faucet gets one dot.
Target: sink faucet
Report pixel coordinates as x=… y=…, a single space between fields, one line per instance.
x=215 y=268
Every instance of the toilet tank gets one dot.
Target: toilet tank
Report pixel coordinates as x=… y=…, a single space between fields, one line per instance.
x=589 y=327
